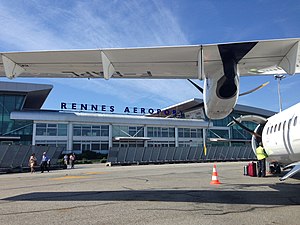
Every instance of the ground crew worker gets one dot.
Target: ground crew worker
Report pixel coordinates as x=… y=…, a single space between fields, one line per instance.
x=261 y=157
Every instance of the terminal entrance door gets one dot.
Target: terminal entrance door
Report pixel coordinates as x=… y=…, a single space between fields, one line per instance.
x=86 y=146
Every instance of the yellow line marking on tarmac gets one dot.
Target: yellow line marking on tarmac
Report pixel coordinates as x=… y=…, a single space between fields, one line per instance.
x=95 y=173
x=70 y=177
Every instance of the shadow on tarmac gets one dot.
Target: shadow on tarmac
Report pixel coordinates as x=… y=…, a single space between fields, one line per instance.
x=283 y=194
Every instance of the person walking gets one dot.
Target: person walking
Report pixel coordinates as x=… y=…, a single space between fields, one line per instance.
x=66 y=160
x=261 y=157
x=32 y=162
x=44 y=163
x=72 y=160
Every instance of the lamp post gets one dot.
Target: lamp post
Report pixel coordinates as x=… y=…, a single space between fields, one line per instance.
x=279 y=77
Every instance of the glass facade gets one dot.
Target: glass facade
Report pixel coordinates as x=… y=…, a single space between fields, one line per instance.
x=161 y=143
x=97 y=146
x=53 y=143
x=125 y=144
x=160 y=131
x=127 y=131
x=90 y=137
x=13 y=128
x=90 y=130
x=234 y=132
x=95 y=137
x=51 y=129
x=190 y=133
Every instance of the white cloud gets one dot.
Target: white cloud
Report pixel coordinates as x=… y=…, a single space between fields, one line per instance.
x=97 y=24
x=87 y=24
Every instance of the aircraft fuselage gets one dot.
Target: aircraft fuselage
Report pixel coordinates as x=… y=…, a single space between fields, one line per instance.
x=281 y=136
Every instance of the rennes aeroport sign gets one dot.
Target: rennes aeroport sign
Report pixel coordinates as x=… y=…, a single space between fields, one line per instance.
x=112 y=109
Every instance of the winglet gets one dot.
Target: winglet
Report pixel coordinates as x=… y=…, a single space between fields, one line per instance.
x=11 y=68
x=108 y=68
x=289 y=62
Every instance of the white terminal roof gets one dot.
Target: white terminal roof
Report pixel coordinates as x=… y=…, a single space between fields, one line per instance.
x=81 y=117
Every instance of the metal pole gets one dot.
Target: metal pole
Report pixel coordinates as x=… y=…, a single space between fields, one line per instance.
x=279 y=95
x=279 y=78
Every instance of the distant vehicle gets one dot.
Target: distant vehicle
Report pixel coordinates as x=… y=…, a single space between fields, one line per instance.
x=219 y=65
x=280 y=135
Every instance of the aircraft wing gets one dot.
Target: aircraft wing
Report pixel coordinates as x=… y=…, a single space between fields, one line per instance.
x=194 y=62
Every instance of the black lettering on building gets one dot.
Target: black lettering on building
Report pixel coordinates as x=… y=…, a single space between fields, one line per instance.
x=111 y=108
x=151 y=111
x=94 y=107
x=83 y=106
x=74 y=106
x=63 y=105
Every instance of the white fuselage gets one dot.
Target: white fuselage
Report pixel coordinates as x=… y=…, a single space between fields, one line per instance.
x=281 y=136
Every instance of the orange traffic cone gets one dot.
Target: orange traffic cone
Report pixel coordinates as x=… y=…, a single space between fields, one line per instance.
x=214 y=177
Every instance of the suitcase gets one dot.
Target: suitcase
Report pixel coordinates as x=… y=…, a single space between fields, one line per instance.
x=252 y=169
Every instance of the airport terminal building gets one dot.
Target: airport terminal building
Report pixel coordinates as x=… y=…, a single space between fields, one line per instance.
x=80 y=127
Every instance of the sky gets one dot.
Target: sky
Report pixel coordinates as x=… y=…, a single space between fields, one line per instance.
x=88 y=24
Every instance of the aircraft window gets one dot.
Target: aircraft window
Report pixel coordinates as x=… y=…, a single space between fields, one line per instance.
x=268 y=130
x=279 y=126
x=275 y=128
x=290 y=121
x=295 y=121
x=271 y=130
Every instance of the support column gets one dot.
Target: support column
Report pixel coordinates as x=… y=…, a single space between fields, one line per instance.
x=70 y=137
x=33 y=133
x=204 y=137
x=176 y=137
x=230 y=135
x=110 y=143
x=145 y=135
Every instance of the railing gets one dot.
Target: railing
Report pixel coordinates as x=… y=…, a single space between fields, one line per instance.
x=16 y=157
x=147 y=155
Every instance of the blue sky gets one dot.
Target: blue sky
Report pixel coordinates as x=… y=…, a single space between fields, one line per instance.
x=58 y=24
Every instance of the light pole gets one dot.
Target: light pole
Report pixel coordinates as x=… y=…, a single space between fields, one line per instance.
x=279 y=77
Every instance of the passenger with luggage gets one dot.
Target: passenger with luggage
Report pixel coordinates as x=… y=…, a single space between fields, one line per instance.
x=261 y=157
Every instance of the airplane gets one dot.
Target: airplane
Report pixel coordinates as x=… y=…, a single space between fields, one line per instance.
x=219 y=65
x=279 y=135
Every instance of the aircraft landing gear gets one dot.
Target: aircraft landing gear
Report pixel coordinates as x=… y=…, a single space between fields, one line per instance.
x=275 y=168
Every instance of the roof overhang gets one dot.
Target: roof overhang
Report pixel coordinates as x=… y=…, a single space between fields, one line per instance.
x=131 y=139
x=183 y=107
x=43 y=115
x=227 y=140
x=36 y=94
x=8 y=138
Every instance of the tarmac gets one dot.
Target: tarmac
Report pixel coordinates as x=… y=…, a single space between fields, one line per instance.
x=148 y=194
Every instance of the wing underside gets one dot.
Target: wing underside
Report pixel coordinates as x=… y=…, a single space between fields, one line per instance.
x=264 y=57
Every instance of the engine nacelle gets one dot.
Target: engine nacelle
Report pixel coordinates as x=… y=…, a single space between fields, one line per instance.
x=220 y=96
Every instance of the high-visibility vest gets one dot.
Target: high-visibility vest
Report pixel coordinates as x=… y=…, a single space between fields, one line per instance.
x=260 y=153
